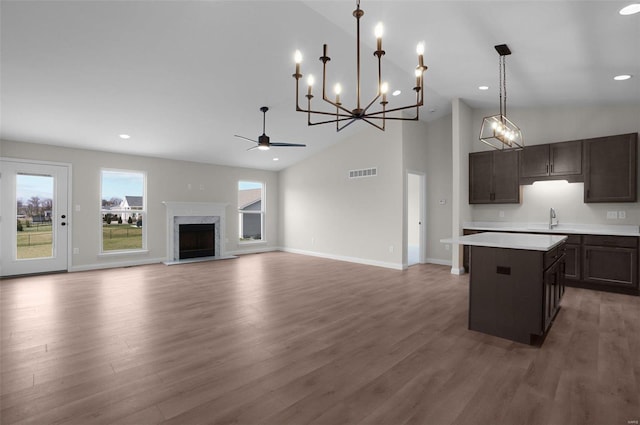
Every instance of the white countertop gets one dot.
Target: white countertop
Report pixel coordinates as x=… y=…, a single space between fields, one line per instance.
x=531 y=242
x=562 y=228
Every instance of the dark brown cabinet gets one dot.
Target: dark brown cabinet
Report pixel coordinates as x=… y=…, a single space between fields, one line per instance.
x=611 y=261
x=553 y=287
x=611 y=169
x=551 y=161
x=573 y=258
x=600 y=262
x=515 y=293
x=493 y=177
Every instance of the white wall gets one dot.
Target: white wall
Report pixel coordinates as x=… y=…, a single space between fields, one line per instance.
x=325 y=213
x=167 y=180
x=557 y=124
x=427 y=149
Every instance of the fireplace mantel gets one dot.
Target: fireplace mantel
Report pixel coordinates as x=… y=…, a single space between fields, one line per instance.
x=214 y=210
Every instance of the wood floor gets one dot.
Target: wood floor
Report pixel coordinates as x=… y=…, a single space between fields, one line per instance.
x=281 y=338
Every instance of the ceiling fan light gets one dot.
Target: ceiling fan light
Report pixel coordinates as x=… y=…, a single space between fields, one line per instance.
x=263 y=147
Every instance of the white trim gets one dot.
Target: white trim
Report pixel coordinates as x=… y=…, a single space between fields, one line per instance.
x=118 y=264
x=254 y=250
x=457 y=271
x=439 y=261
x=387 y=265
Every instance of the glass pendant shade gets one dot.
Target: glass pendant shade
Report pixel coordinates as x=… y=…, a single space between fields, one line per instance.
x=499 y=132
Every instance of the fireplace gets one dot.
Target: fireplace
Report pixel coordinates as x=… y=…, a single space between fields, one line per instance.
x=195 y=231
x=196 y=240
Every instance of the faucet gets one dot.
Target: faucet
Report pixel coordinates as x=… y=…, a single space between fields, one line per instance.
x=553 y=221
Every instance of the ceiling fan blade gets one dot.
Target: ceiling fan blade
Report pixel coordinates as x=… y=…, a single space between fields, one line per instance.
x=250 y=149
x=245 y=138
x=287 y=144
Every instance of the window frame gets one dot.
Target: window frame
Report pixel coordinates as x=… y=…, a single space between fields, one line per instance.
x=143 y=212
x=261 y=212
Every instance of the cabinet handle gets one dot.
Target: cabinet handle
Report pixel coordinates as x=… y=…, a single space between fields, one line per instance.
x=547 y=169
x=552 y=167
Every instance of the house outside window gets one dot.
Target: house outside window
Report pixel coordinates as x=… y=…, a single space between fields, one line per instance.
x=122 y=210
x=251 y=210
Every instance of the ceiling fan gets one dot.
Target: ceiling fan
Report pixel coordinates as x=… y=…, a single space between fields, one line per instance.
x=263 y=141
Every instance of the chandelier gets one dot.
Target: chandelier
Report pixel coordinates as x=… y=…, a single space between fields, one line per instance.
x=342 y=116
x=498 y=131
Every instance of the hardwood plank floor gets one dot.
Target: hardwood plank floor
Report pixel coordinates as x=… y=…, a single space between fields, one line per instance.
x=280 y=338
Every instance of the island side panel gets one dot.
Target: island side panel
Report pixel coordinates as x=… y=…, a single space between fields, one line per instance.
x=506 y=292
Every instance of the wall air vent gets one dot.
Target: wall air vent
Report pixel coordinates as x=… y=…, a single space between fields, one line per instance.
x=365 y=172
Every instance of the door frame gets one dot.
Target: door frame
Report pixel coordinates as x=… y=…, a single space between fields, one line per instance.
x=422 y=216
x=69 y=226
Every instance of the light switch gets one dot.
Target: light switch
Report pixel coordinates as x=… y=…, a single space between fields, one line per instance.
x=77 y=207
x=622 y=215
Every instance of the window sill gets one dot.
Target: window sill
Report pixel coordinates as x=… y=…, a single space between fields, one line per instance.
x=123 y=253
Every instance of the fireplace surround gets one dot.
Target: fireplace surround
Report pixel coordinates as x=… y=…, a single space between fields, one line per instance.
x=196 y=213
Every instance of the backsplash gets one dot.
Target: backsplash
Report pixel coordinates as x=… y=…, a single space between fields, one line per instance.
x=566 y=199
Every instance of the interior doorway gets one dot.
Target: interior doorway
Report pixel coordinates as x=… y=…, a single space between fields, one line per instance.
x=416 y=211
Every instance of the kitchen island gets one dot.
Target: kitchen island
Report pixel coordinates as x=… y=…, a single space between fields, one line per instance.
x=516 y=283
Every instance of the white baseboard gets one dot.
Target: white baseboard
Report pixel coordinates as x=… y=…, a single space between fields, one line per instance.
x=439 y=261
x=457 y=271
x=395 y=266
x=116 y=264
x=255 y=250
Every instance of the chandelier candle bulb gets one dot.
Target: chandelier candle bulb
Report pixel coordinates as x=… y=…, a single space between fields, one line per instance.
x=297 y=57
x=379 y=30
x=420 y=52
x=310 y=81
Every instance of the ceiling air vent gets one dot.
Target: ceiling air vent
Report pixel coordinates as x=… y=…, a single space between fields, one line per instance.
x=365 y=172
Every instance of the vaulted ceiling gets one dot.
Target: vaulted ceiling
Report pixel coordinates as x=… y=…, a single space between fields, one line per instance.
x=182 y=77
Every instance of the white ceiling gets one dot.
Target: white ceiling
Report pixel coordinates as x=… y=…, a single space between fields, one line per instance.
x=182 y=77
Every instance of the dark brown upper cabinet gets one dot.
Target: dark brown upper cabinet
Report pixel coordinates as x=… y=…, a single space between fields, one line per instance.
x=493 y=177
x=611 y=166
x=556 y=161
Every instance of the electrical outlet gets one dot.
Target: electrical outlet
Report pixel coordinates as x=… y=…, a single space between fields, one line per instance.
x=76 y=250
x=501 y=214
x=442 y=201
x=622 y=215
x=612 y=215
x=447 y=246
x=77 y=207
x=391 y=249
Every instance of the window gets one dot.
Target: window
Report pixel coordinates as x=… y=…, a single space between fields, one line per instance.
x=123 y=210
x=251 y=211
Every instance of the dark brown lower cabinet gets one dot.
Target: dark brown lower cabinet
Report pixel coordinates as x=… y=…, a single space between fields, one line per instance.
x=515 y=293
x=573 y=259
x=603 y=263
x=611 y=261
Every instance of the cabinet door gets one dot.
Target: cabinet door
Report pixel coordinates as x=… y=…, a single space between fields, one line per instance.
x=611 y=169
x=480 y=177
x=610 y=265
x=565 y=158
x=534 y=161
x=552 y=293
x=506 y=186
x=572 y=262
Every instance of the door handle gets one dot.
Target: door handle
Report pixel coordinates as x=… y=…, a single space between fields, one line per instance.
x=63 y=224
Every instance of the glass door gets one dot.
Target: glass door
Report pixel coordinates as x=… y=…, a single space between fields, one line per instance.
x=34 y=218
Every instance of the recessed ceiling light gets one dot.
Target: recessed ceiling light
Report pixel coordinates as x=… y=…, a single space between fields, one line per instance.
x=483 y=87
x=631 y=9
x=622 y=77
x=276 y=159
x=125 y=136
x=396 y=93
